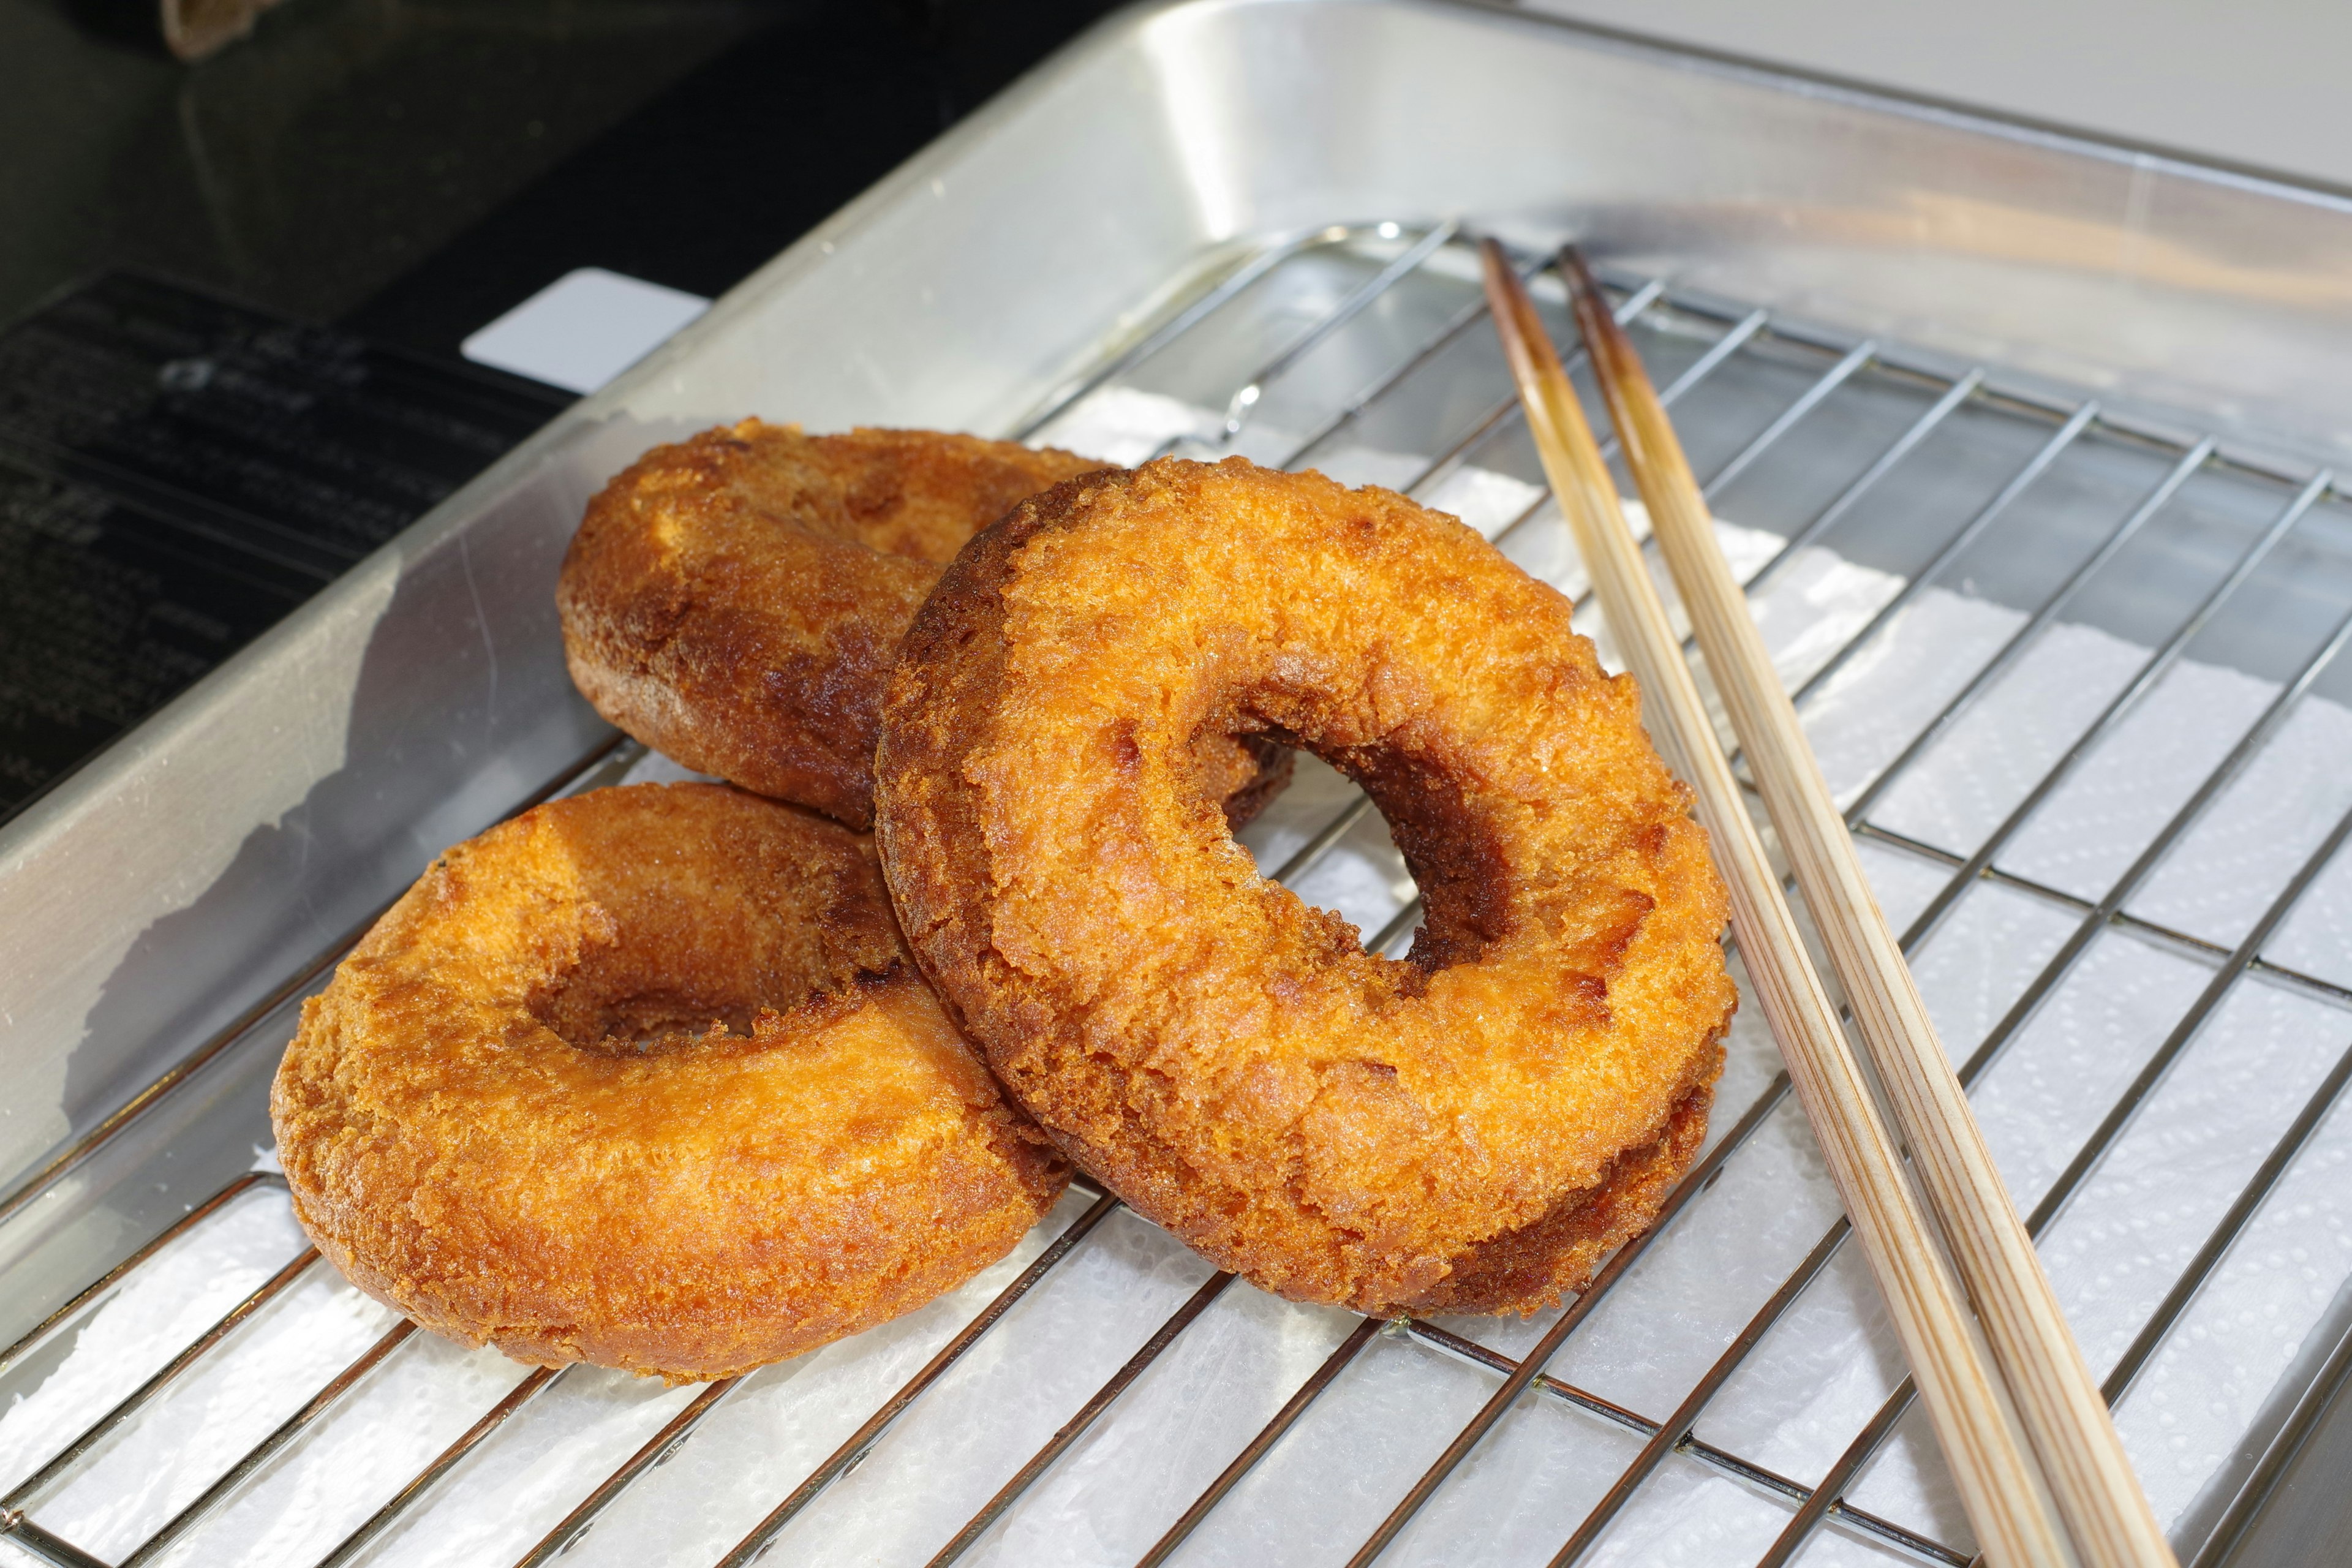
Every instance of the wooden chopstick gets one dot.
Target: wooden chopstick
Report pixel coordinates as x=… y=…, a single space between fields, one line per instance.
x=1999 y=1484
x=2067 y=1422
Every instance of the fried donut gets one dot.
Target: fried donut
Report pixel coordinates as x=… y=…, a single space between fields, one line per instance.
x=642 y=1078
x=1467 y=1129
x=735 y=601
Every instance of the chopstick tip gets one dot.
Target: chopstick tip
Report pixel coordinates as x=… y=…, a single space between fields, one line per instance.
x=1581 y=284
x=1505 y=297
x=1614 y=359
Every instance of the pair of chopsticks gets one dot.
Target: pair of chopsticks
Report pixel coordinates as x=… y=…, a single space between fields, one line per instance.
x=2013 y=1362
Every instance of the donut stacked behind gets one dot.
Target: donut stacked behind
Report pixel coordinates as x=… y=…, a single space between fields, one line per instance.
x=736 y=601
x=642 y=1078
x=1468 y=1130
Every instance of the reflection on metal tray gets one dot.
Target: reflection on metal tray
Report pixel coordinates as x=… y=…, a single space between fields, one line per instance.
x=2067 y=661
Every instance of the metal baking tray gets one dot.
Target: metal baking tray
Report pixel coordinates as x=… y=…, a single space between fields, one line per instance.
x=2093 y=385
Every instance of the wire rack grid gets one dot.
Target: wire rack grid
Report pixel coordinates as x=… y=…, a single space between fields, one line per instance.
x=1372 y=338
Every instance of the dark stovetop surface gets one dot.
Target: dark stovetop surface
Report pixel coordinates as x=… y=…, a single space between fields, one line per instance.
x=414 y=169
x=233 y=292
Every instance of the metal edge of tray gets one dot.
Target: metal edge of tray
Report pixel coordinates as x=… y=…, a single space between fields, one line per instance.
x=2054 y=133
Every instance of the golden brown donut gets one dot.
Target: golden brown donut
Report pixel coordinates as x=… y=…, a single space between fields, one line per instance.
x=642 y=1078
x=735 y=601
x=1467 y=1129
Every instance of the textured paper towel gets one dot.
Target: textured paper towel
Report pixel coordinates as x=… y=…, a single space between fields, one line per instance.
x=1793 y=1407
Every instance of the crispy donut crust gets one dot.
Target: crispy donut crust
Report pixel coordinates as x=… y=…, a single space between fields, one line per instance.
x=735 y=601
x=642 y=1078
x=1468 y=1130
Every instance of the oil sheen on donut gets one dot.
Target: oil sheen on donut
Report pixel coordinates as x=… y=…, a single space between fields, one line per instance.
x=1466 y=1130
x=643 y=1078
x=735 y=601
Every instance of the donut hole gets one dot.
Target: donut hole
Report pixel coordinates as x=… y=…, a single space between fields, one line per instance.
x=622 y=999
x=589 y=1013
x=1449 y=847
x=662 y=962
x=1452 y=852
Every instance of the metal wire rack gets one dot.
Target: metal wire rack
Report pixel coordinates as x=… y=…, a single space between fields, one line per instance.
x=1397 y=349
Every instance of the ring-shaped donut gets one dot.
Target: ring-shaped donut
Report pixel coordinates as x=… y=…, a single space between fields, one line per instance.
x=735 y=601
x=642 y=1078
x=1466 y=1130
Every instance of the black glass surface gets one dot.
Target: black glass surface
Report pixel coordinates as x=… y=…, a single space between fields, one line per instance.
x=176 y=472
x=238 y=288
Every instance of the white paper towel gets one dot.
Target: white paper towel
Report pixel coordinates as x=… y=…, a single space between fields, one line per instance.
x=1794 y=1406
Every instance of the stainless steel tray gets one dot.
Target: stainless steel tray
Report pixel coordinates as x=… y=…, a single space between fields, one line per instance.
x=1156 y=210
